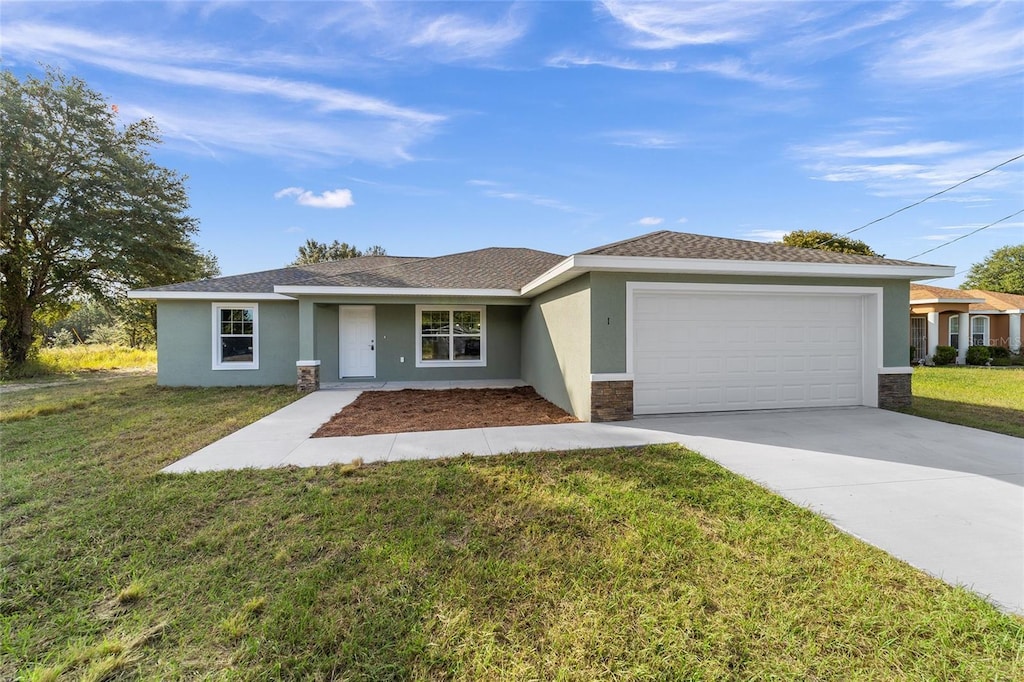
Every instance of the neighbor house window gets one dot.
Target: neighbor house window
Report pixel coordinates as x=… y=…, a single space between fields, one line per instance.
x=954 y=331
x=235 y=336
x=979 y=331
x=451 y=336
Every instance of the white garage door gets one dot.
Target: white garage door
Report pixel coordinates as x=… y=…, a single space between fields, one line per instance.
x=704 y=352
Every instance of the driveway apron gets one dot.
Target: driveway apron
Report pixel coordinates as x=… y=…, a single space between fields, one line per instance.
x=947 y=499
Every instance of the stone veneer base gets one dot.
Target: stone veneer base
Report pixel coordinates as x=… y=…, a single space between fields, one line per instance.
x=894 y=391
x=308 y=378
x=611 y=401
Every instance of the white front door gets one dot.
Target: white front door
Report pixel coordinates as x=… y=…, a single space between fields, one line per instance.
x=357 y=340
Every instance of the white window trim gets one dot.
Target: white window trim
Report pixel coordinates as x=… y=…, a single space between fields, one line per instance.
x=986 y=340
x=955 y=317
x=420 y=362
x=224 y=305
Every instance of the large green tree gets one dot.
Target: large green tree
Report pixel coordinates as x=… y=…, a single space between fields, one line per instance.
x=826 y=241
x=85 y=211
x=1002 y=270
x=322 y=252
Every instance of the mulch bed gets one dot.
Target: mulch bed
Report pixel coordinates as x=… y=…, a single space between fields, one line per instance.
x=429 y=410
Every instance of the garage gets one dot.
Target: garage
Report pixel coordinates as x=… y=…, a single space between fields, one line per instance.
x=718 y=347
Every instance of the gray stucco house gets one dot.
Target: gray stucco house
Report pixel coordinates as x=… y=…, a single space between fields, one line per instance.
x=664 y=322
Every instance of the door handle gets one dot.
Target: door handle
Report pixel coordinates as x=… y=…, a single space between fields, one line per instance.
x=371 y=345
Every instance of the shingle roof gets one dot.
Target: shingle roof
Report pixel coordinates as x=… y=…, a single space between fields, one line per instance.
x=996 y=300
x=493 y=268
x=666 y=244
x=922 y=292
x=264 y=281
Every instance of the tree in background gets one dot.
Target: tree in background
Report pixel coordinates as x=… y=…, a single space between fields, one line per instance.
x=1002 y=270
x=322 y=252
x=85 y=211
x=827 y=241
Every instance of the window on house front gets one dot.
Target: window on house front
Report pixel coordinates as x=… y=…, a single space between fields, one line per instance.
x=954 y=331
x=451 y=336
x=235 y=336
x=979 y=331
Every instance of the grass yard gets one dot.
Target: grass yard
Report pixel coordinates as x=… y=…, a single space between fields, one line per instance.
x=651 y=563
x=87 y=357
x=990 y=399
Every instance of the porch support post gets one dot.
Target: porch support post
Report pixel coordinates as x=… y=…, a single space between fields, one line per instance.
x=1015 y=332
x=964 y=338
x=933 y=334
x=306 y=329
x=307 y=368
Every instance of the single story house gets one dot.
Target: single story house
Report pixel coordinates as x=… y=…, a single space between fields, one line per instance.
x=661 y=323
x=937 y=316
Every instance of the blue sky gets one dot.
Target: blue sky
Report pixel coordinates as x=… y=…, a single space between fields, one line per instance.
x=431 y=128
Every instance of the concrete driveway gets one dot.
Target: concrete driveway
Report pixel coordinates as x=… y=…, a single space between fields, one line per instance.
x=947 y=499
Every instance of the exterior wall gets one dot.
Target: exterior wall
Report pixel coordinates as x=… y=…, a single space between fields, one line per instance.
x=608 y=311
x=557 y=346
x=999 y=330
x=894 y=391
x=185 y=345
x=396 y=339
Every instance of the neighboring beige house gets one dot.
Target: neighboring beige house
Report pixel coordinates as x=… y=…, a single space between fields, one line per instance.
x=962 y=318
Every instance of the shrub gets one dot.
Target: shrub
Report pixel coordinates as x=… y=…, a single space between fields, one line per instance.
x=977 y=355
x=109 y=335
x=1001 y=362
x=944 y=355
x=1017 y=359
x=62 y=339
x=998 y=352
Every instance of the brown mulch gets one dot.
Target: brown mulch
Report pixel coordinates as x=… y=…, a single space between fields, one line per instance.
x=428 y=410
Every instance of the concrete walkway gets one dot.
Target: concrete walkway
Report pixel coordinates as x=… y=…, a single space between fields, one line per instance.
x=944 y=498
x=283 y=438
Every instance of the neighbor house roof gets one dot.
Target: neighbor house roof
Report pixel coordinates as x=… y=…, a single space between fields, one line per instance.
x=925 y=293
x=519 y=272
x=996 y=300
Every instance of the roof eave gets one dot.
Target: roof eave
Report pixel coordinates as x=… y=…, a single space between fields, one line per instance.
x=394 y=291
x=151 y=295
x=579 y=264
x=926 y=301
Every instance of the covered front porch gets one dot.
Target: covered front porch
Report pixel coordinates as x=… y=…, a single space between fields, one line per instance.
x=362 y=340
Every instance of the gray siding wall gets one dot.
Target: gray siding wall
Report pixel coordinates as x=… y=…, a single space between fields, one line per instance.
x=185 y=345
x=608 y=311
x=396 y=339
x=557 y=346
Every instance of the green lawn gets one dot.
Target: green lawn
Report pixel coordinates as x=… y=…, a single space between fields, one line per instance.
x=985 y=398
x=627 y=564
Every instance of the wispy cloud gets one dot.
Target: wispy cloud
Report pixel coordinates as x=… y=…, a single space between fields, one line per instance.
x=565 y=60
x=644 y=139
x=765 y=235
x=245 y=112
x=859 y=149
x=666 y=25
x=332 y=198
x=461 y=37
x=984 y=40
x=650 y=220
x=499 y=190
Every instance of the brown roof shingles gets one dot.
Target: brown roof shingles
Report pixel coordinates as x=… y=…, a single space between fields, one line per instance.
x=923 y=292
x=667 y=244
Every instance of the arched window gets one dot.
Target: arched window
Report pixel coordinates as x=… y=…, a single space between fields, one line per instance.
x=979 y=330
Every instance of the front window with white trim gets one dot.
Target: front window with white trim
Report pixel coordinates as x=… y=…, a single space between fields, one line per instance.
x=954 y=331
x=236 y=336
x=451 y=336
x=979 y=331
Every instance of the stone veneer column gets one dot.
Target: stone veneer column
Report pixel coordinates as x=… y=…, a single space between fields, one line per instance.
x=611 y=401
x=308 y=376
x=894 y=390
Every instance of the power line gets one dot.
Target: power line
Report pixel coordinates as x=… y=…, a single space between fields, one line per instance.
x=964 y=236
x=918 y=203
